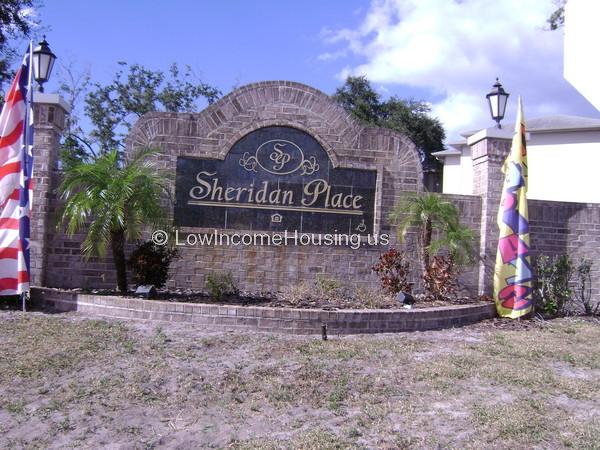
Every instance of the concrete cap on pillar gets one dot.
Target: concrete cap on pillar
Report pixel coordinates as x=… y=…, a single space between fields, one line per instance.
x=51 y=99
x=492 y=133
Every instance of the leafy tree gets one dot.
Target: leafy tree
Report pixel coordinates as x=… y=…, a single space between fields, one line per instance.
x=13 y=20
x=407 y=116
x=557 y=18
x=112 y=199
x=358 y=97
x=411 y=117
x=14 y=24
x=108 y=195
x=135 y=90
x=435 y=218
x=73 y=86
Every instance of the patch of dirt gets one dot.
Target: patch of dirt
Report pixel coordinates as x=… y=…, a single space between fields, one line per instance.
x=71 y=381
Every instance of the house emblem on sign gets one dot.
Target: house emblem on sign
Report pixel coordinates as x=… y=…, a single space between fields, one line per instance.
x=276 y=218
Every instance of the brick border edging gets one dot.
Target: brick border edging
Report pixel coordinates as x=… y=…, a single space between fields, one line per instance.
x=280 y=320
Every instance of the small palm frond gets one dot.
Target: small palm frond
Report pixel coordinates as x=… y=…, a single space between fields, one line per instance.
x=429 y=211
x=109 y=195
x=416 y=210
x=458 y=240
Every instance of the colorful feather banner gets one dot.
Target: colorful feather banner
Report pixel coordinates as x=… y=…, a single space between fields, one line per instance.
x=513 y=276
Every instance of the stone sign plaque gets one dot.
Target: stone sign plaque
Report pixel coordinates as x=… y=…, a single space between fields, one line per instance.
x=275 y=179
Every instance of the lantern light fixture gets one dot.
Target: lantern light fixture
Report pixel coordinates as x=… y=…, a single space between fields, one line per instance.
x=43 y=61
x=497 y=99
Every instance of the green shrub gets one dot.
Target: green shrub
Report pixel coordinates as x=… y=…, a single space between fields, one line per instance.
x=584 y=288
x=551 y=289
x=150 y=263
x=219 y=285
x=439 y=233
x=327 y=286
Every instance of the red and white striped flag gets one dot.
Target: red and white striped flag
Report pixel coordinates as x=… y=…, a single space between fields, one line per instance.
x=16 y=159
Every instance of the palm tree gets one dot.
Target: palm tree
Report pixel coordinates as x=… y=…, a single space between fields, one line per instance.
x=430 y=213
x=112 y=199
x=458 y=240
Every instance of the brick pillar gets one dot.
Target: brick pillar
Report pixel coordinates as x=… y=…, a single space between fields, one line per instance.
x=489 y=149
x=49 y=112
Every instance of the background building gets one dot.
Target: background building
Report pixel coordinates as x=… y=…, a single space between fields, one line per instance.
x=563 y=157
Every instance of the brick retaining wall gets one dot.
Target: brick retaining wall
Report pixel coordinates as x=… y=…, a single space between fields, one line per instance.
x=280 y=320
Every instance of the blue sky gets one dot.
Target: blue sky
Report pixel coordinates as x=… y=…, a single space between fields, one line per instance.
x=228 y=43
x=446 y=52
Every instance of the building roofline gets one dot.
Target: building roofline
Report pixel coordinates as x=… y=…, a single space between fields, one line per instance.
x=447 y=152
x=559 y=123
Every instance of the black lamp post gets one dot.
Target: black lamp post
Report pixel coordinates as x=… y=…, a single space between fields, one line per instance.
x=43 y=61
x=497 y=99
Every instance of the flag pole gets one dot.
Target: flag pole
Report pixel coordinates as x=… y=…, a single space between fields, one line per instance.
x=26 y=128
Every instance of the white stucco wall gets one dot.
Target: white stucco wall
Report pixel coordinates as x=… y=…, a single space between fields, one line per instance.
x=452 y=171
x=458 y=173
x=563 y=166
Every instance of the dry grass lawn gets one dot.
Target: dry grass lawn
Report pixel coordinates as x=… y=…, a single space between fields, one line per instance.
x=72 y=382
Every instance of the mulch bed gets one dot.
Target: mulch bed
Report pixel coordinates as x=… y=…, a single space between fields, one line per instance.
x=350 y=303
x=269 y=299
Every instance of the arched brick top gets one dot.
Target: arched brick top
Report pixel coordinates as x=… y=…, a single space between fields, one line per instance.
x=273 y=122
x=212 y=132
x=300 y=100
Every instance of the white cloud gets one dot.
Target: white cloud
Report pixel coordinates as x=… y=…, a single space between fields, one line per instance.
x=457 y=49
x=462 y=110
x=332 y=56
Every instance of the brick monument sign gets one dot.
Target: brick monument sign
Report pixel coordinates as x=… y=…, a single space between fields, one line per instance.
x=275 y=157
x=268 y=157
